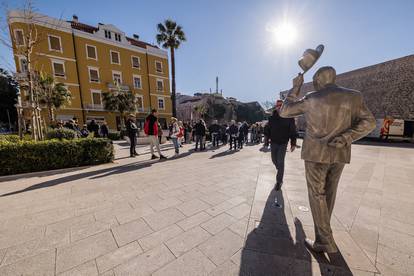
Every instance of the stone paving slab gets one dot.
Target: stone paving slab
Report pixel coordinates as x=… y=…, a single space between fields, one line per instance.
x=136 y=217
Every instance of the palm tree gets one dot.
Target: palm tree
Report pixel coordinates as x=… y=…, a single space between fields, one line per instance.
x=121 y=101
x=170 y=35
x=53 y=95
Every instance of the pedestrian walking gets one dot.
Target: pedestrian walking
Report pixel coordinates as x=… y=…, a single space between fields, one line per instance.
x=175 y=132
x=151 y=130
x=132 y=131
x=281 y=130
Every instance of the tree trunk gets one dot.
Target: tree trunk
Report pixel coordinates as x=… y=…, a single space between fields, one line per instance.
x=174 y=107
x=122 y=120
x=49 y=108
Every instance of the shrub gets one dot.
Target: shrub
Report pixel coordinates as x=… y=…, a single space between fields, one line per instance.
x=12 y=138
x=114 y=135
x=31 y=156
x=61 y=133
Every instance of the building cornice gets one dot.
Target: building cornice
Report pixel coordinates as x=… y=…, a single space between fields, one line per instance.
x=61 y=25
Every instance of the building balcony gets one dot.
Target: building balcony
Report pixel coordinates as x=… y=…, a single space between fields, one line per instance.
x=123 y=87
x=97 y=107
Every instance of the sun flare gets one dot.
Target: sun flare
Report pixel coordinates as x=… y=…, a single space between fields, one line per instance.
x=285 y=34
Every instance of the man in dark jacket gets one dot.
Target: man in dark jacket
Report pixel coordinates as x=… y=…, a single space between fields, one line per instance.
x=200 y=132
x=214 y=130
x=132 y=131
x=104 y=130
x=233 y=132
x=243 y=132
x=280 y=130
x=94 y=127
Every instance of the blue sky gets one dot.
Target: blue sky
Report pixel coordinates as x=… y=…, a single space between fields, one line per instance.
x=231 y=39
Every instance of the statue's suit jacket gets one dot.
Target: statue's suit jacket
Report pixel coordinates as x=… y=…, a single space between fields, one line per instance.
x=330 y=112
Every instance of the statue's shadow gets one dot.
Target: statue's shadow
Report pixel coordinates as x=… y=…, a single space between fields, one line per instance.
x=276 y=247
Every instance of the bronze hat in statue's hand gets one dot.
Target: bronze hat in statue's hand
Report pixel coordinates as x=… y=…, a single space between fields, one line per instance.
x=310 y=57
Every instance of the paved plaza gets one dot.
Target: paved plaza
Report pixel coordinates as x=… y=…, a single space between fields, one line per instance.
x=206 y=213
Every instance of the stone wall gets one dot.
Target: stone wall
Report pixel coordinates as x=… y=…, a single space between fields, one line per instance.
x=388 y=87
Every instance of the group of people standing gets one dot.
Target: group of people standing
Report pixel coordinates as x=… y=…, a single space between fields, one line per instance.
x=98 y=130
x=151 y=128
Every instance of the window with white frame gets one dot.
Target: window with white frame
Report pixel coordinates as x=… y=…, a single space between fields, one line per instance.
x=140 y=103
x=91 y=52
x=160 y=85
x=58 y=68
x=117 y=77
x=137 y=81
x=93 y=74
x=23 y=65
x=55 y=43
x=19 y=37
x=161 y=103
x=135 y=62
x=115 y=57
x=158 y=66
x=117 y=37
x=96 y=97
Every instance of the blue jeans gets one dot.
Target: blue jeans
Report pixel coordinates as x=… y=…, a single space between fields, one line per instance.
x=176 y=145
x=278 y=158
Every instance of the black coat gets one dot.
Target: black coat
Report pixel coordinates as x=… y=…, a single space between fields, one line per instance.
x=131 y=128
x=199 y=129
x=280 y=130
x=233 y=130
x=214 y=128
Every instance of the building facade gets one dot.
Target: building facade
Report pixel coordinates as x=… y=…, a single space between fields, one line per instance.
x=91 y=61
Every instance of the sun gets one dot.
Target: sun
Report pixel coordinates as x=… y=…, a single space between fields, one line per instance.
x=285 y=34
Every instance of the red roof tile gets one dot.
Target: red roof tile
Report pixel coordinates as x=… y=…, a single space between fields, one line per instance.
x=83 y=27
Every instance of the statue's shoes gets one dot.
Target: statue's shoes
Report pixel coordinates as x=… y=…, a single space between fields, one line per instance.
x=319 y=248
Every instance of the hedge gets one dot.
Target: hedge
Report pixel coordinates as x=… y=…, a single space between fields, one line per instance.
x=14 y=138
x=114 y=135
x=30 y=156
x=61 y=133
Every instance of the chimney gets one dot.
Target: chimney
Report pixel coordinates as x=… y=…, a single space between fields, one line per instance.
x=75 y=18
x=135 y=36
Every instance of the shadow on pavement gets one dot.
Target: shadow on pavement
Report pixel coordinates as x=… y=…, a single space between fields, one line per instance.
x=223 y=153
x=265 y=149
x=97 y=173
x=271 y=250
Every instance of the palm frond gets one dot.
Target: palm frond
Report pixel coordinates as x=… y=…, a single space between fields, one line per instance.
x=161 y=28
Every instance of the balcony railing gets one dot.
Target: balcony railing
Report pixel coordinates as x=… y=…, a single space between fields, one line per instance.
x=123 y=87
x=98 y=107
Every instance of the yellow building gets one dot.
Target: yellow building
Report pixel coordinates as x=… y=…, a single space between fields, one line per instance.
x=88 y=60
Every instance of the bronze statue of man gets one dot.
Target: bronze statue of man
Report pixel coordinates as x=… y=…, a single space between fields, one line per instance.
x=335 y=117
